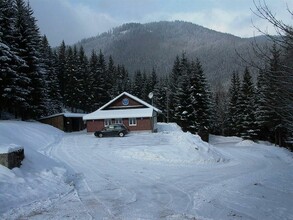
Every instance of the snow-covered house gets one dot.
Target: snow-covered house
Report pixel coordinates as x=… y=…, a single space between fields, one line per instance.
x=134 y=113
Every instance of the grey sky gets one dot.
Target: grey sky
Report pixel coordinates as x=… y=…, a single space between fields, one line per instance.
x=73 y=20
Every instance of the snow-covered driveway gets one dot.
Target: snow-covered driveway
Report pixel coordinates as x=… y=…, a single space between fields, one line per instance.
x=150 y=176
x=166 y=175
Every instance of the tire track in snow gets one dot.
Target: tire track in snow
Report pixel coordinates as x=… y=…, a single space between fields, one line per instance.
x=178 y=189
x=256 y=169
x=92 y=204
x=151 y=184
x=133 y=175
x=169 y=188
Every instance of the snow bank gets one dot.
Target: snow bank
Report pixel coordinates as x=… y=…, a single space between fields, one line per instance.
x=167 y=127
x=28 y=134
x=8 y=148
x=246 y=143
x=39 y=177
x=172 y=146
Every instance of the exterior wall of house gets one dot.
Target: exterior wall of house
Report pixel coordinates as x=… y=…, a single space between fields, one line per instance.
x=94 y=125
x=57 y=121
x=142 y=124
x=67 y=124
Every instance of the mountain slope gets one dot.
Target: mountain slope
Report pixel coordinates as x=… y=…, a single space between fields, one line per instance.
x=143 y=46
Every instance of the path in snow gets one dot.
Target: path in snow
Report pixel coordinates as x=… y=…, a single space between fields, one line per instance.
x=114 y=186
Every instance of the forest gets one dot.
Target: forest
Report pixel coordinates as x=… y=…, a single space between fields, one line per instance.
x=36 y=81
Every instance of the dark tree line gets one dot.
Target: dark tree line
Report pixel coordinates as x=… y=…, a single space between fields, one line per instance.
x=279 y=73
x=88 y=83
x=36 y=81
x=26 y=70
x=256 y=110
x=262 y=110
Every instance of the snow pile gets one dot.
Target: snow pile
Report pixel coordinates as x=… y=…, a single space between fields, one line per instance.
x=168 y=127
x=8 y=148
x=173 y=146
x=39 y=176
x=246 y=143
x=28 y=134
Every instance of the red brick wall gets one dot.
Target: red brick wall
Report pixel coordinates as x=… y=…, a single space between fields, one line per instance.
x=142 y=124
x=94 y=125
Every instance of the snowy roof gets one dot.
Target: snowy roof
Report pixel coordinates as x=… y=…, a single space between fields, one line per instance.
x=67 y=115
x=123 y=113
x=132 y=97
x=119 y=113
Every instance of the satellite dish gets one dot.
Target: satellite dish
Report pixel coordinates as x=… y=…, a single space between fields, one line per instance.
x=151 y=95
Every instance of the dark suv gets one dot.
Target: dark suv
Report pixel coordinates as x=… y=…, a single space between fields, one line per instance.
x=112 y=130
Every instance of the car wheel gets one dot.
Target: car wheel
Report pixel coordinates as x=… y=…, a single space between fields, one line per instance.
x=100 y=135
x=121 y=134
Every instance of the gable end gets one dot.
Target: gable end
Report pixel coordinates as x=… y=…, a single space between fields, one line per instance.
x=124 y=102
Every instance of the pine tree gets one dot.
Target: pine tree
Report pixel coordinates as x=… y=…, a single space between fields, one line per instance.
x=112 y=78
x=93 y=84
x=29 y=42
x=178 y=89
x=126 y=82
x=173 y=87
x=283 y=76
x=200 y=98
x=102 y=93
x=145 y=89
x=84 y=96
x=71 y=81
x=153 y=80
x=183 y=108
x=161 y=96
x=149 y=84
x=246 y=112
x=51 y=88
x=286 y=90
x=123 y=82
x=268 y=118
x=138 y=84
x=233 y=110
x=9 y=60
x=61 y=71
x=218 y=118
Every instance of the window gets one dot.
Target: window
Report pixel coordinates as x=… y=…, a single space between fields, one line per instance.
x=132 y=121
x=107 y=122
x=118 y=120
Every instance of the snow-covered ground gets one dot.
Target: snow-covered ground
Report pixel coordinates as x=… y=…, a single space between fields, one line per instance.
x=166 y=175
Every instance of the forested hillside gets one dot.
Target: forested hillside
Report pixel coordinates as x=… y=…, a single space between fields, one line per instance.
x=144 y=46
x=183 y=65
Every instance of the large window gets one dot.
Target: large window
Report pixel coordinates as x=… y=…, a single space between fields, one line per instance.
x=107 y=122
x=132 y=122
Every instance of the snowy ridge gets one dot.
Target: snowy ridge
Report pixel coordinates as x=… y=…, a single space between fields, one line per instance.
x=177 y=148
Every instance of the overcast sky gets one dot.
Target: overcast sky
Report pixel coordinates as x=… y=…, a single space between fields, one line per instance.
x=73 y=20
